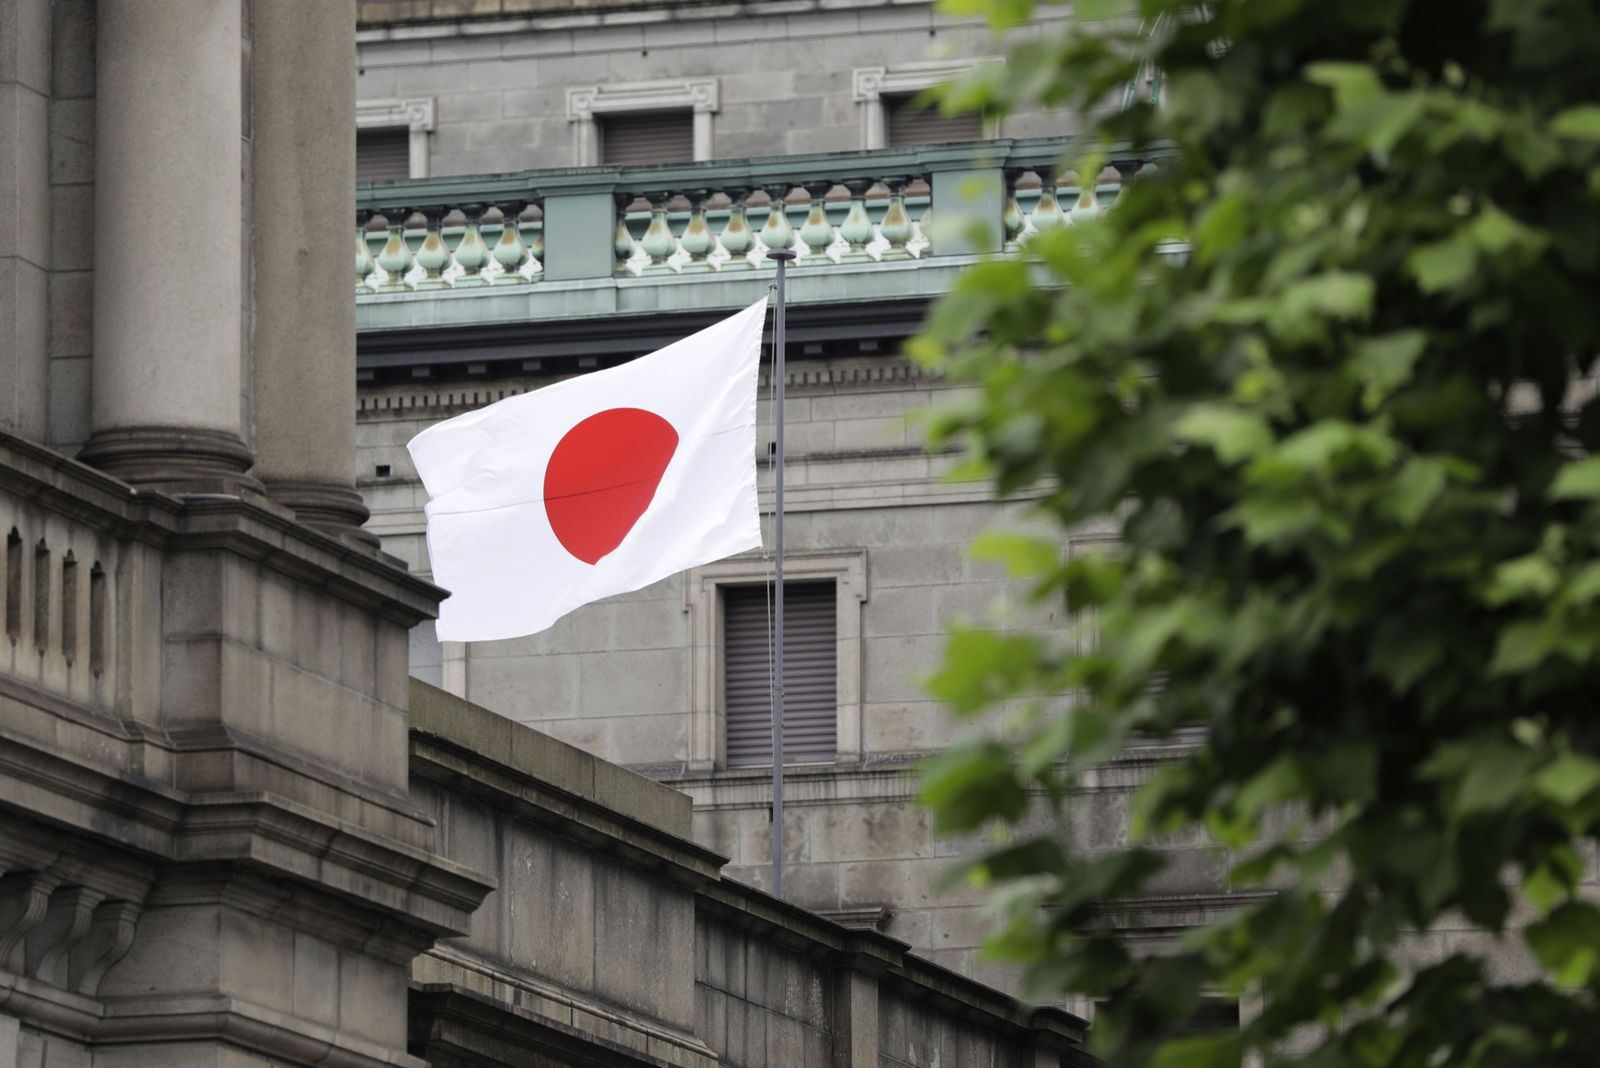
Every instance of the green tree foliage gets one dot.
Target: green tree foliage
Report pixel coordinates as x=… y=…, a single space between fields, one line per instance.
x=1351 y=447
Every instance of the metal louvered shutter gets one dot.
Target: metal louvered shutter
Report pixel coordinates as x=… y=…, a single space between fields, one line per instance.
x=383 y=155
x=652 y=137
x=912 y=125
x=810 y=674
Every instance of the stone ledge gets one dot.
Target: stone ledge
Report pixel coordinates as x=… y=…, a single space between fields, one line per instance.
x=474 y=1029
x=428 y=894
x=537 y=756
x=890 y=959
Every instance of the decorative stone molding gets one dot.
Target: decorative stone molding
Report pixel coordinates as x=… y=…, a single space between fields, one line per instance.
x=410 y=113
x=408 y=403
x=702 y=96
x=869 y=85
x=848 y=570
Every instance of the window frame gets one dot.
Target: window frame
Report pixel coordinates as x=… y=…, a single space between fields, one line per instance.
x=412 y=114
x=871 y=85
x=708 y=740
x=701 y=96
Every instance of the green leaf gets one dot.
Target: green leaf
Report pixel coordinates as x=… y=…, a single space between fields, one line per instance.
x=1385 y=362
x=1525 y=578
x=981 y=666
x=1353 y=84
x=1443 y=265
x=1234 y=434
x=1022 y=555
x=1521 y=645
x=1416 y=487
x=1581 y=123
x=968 y=786
x=1568 y=778
x=1577 y=480
x=1567 y=942
x=1201 y=1051
x=1498 y=233
x=1335 y=294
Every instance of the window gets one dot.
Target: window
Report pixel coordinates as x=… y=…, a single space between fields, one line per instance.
x=885 y=97
x=810 y=673
x=649 y=137
x=642 y=122
x=392 y=138
x=383 y=155
x=738 y=585
x=914 y=123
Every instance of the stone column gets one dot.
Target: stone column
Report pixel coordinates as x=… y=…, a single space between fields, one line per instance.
x=24 y=214
x=303 y=94
x=168 y=326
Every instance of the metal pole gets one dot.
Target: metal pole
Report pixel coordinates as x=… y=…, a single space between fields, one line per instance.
x=782 y=256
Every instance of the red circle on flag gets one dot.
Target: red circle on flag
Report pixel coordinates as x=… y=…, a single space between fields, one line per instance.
x=602 y=476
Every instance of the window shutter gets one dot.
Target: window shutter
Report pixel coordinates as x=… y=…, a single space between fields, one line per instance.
x=383 y=155
x=810 y=674
x=911 y=125
x=650 y=137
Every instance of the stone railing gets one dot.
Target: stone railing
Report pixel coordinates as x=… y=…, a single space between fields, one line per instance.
x=836 y=211
x=60 y=632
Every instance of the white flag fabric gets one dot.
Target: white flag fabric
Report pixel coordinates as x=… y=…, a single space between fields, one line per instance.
x=597 y=485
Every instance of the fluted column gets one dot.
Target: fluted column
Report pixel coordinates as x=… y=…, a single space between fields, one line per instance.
x=304 y=346
x=168 y=406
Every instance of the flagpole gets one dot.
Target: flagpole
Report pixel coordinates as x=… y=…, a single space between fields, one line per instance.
x=782 y=256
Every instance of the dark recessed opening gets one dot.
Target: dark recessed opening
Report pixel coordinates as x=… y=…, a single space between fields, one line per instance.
x=382 y=470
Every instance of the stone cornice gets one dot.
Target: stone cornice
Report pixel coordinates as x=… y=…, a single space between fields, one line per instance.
x=478 y=753
x=472 y=1028
x=250 y=1027
x=891 y=960
x=418 y=891
x=414 y=22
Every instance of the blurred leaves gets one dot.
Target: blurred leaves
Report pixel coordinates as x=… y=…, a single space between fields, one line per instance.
x=1345 y=435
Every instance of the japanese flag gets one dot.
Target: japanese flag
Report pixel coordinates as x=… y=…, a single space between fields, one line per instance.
x=597 y=485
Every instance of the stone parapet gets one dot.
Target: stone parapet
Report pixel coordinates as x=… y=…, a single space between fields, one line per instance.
x=612 y=940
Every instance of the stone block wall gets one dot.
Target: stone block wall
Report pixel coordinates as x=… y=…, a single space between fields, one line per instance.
x=785 y=72
x=47 y=88
x=758 y=1002
x=913 y=1034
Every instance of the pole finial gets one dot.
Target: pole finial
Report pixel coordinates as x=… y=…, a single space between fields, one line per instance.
x=780 y=254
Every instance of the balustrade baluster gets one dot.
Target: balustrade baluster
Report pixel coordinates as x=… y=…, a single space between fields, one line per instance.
x=857 y=227
x=817 y=232
x=697 y=241
x=896 y=224
x=658 y=243
x=471 y=253
x=365 y=264
x=777 y=233
x=509 y=252
x=396 y=259
x=736 y=238
x=622 y=243
x=1087 y=206
x=530 y=226
x=1047 y=213
x=433 y=257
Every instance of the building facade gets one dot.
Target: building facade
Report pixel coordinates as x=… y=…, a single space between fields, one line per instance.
x=810 y=106
x=233 y=832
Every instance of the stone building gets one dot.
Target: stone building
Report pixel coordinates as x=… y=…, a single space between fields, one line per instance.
x=640 y=148
x=232 y=831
